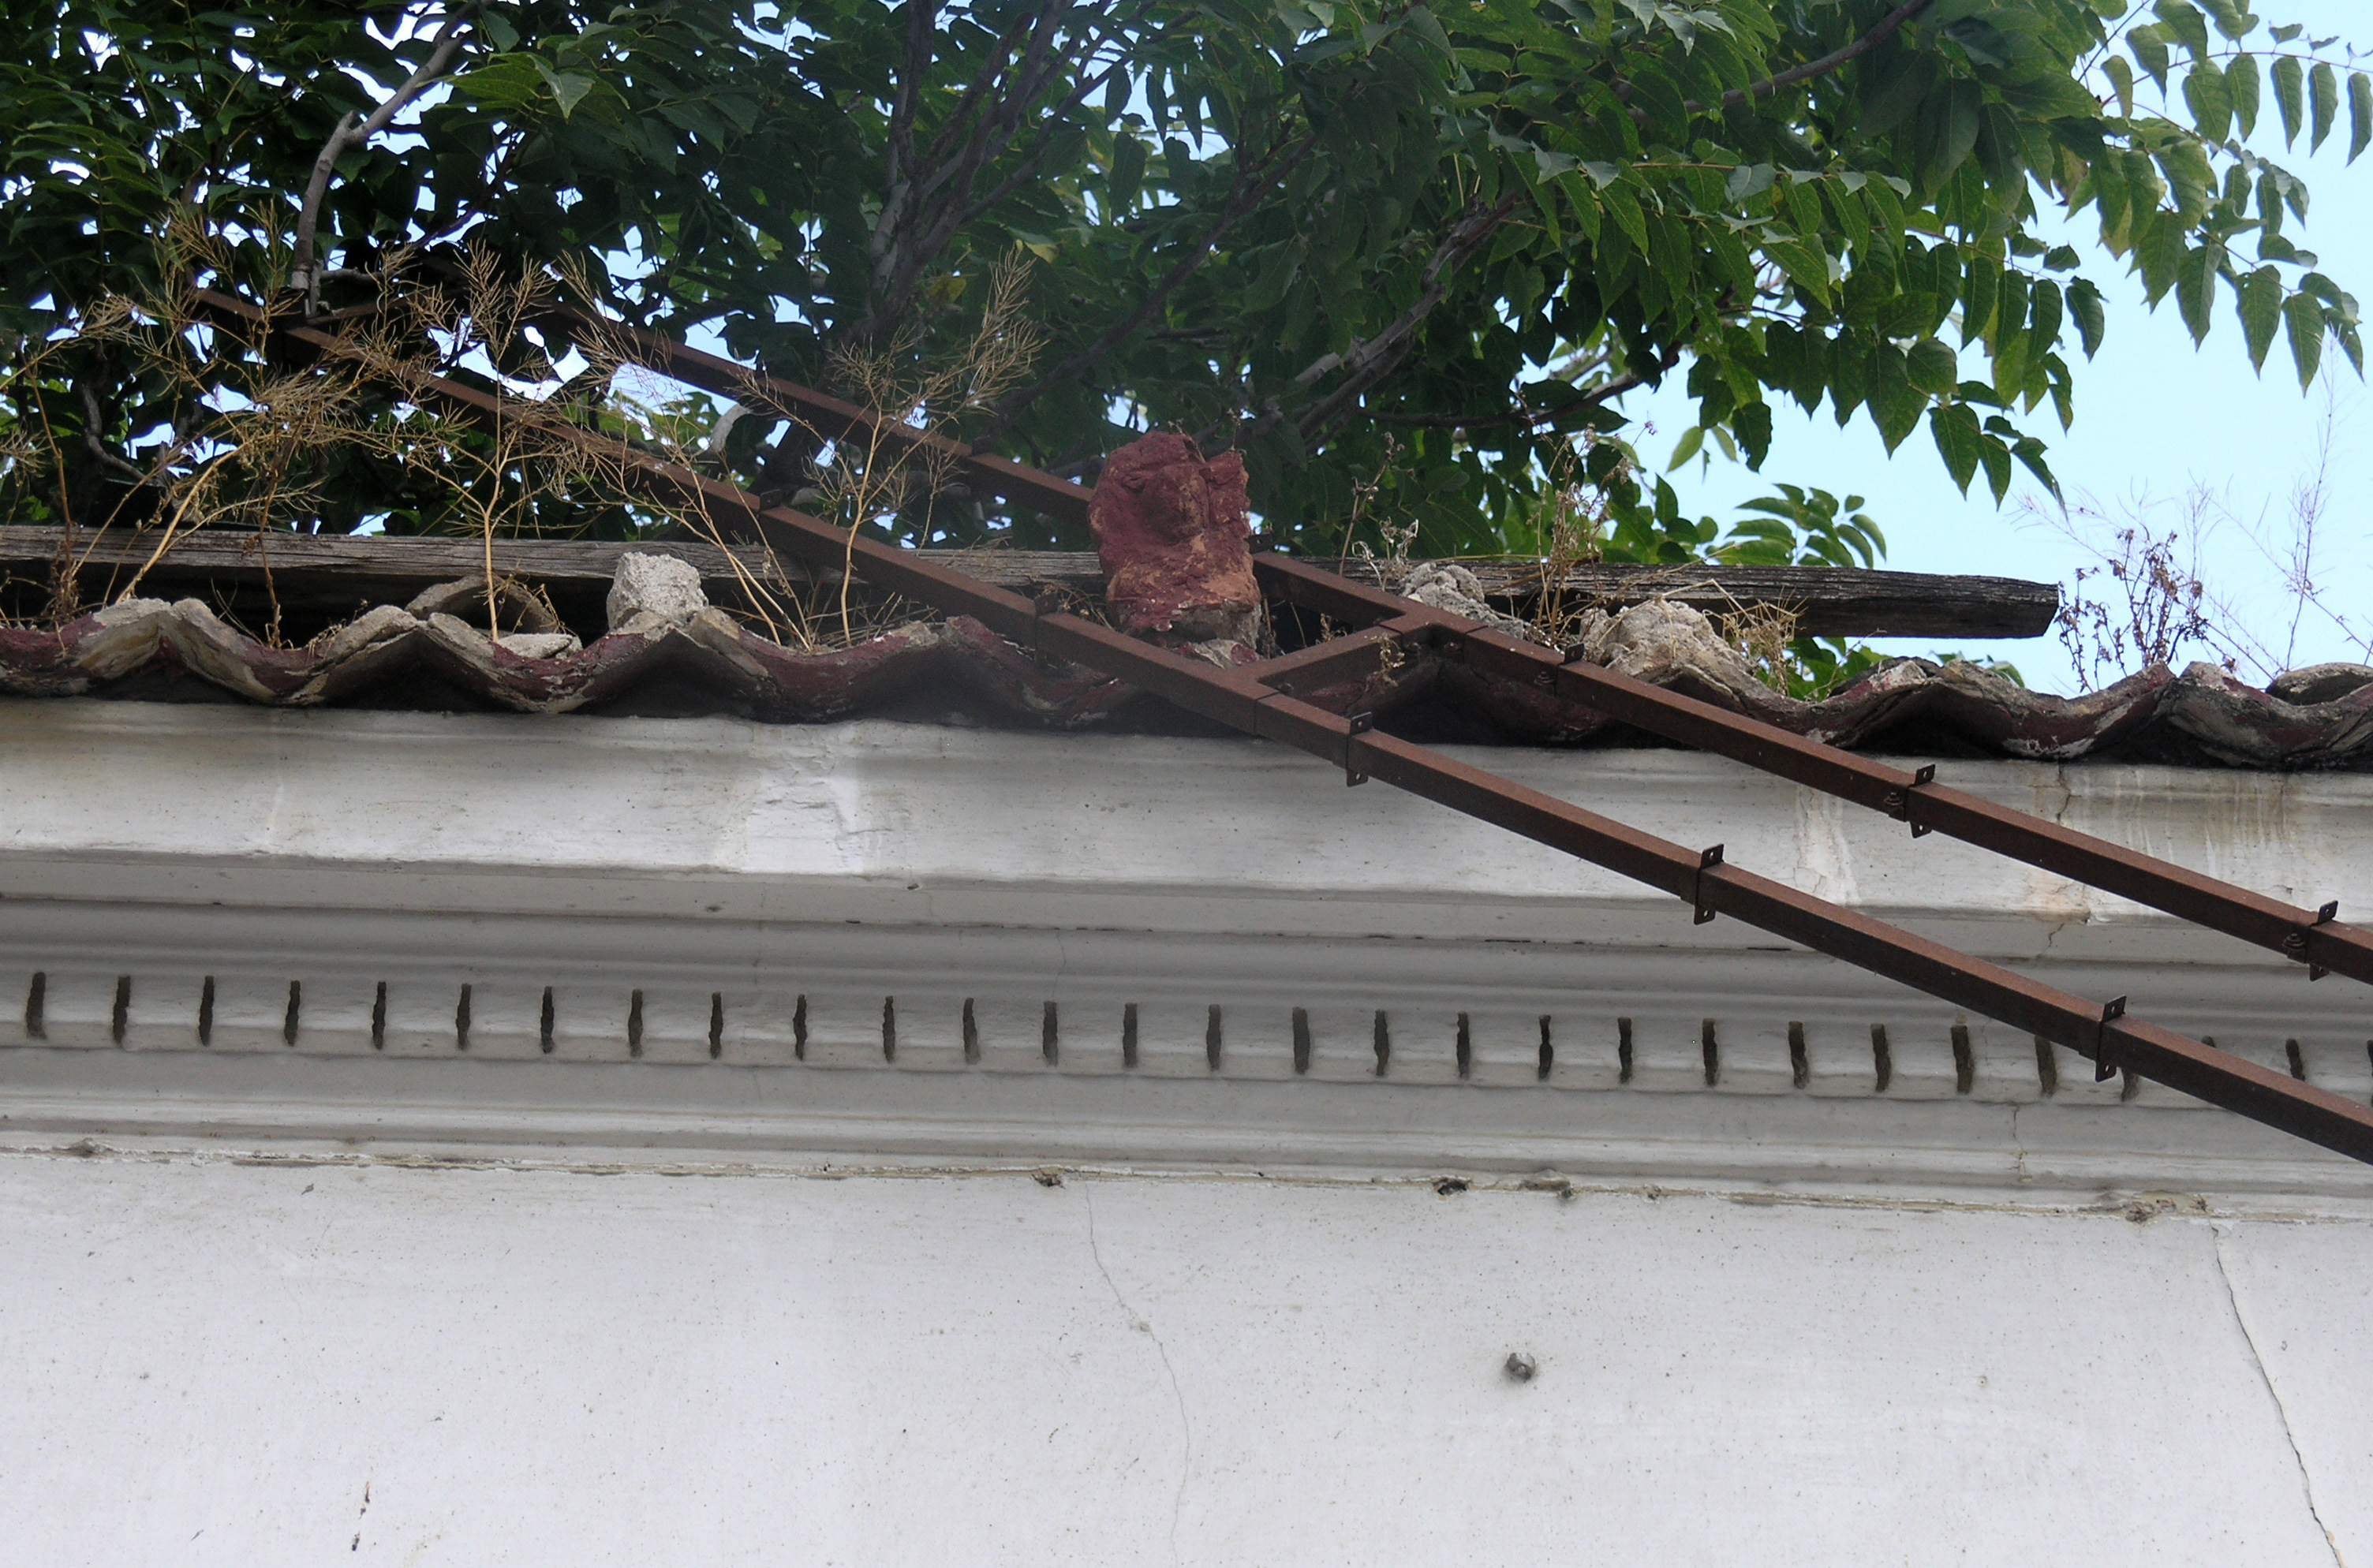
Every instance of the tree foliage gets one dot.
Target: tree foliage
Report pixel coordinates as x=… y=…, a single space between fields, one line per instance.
x=1413 y=252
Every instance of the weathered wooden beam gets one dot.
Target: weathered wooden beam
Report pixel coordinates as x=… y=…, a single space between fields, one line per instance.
x=348 y=569
x=1829 y=601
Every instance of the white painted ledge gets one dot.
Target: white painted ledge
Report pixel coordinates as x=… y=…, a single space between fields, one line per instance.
x=946 y=943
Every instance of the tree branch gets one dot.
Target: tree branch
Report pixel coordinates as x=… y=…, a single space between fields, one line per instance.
x=1887 y=27
x=900 y=264
x=303 y=275
x=1533 y=418
x=897 y=256
x=1250 y=186
x=898 y=152
x=1372 y=357
x=1368 y=362
x=901 y=139
x=984 y=82
x=92 y=422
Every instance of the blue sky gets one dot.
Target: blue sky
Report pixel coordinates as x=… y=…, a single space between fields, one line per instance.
x=2157 y=420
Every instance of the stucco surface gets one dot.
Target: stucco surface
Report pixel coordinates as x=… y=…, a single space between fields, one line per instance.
x=920 y=824
x=255 y=1364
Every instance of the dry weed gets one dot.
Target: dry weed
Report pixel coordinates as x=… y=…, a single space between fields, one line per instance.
x=255 y=447
x=880 y=473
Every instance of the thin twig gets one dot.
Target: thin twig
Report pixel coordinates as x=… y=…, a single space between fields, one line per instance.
x=348 y=134
x=90 y=439
x=1736 y=98
x=1886 y=29
x=1533 y=418
x=1368 y=362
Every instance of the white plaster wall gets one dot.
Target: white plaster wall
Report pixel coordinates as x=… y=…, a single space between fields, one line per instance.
x=714 y=818
x=301 y=1361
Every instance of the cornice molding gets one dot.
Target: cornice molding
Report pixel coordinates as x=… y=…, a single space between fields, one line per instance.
x=940 y=944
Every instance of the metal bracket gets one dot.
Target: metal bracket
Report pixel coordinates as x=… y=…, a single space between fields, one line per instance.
x=1045 y=601
x=1899 y=801
x=1361 y=723
x=1707 y=861
x=2296 y=943
x=2105 y=1065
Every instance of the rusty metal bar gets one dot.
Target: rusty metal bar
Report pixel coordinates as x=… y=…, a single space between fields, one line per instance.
x=1338 y=658
x=2214 y=1075
x=830 y=417
x=1251 y=700
x=2312 y=937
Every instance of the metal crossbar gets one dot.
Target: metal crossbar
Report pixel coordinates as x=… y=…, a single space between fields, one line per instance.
x=1258 y=699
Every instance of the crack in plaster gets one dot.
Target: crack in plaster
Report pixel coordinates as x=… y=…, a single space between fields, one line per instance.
x=2265 y=1375
x=2049 y=890
x=1186 y=1426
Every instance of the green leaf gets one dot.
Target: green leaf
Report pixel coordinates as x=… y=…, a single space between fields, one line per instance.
x=568 y=88
x=1932 y=365
x=2159 y=253
x=2030 y=451
x=2210 y=101
x=2190 y=179
x=1806 y=264
x=2360 y=113
x=2232 y=19
x=2150 y=47
x=2288 y=77
x=2241 y=86
x=2303 y=320
x=1978 y=291
x=1955 y=427
x=1945 y=130
x=2323 y=98
x=1127 y=177
x=2043 y=314
x=1895 y=403
x=2054 y=97
x=2085 y=304
x=1624 y=208
x=1752 y=422
x=1995 y=455
x=506 y=82
x=2269 y=204
x=2186 y=23
x=2262 y=310
x=2122 y=81
x=2195 y=285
